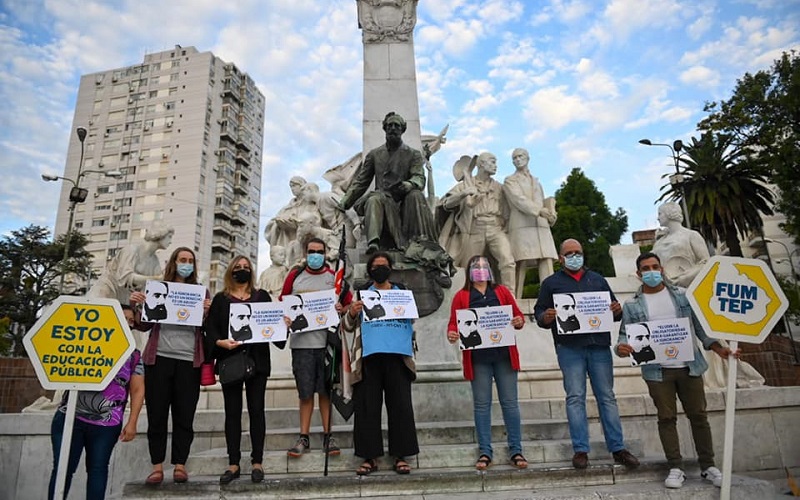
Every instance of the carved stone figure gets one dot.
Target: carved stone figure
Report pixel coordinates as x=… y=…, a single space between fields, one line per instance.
x=282 y=229
x=132 y=266
x=396 y=211
x=683 y=252
x=531 y=216
x=476 y=224
x=385 y=21
x=273 y=277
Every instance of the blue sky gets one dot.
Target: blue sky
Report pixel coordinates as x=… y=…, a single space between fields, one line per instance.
x=577 y=83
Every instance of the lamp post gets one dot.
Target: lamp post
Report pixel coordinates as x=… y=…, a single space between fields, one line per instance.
x=77 y=194
x=677 y=178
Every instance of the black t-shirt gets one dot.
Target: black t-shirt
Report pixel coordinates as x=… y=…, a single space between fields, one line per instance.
x=491 y=354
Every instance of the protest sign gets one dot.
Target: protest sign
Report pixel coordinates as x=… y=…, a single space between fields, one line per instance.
x=584 y=312
x=173 y=303
x=663 y=341
x=380 y=305
x=311 y=310
x=253 y=322
x=485 y=327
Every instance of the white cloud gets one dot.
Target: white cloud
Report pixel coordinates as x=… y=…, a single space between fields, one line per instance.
x=700 y=76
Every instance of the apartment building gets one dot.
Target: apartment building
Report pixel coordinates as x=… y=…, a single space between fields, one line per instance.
x=182 y=133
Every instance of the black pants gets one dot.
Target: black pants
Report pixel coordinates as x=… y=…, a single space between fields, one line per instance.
x=384 y=374
x=255 y=388
x=170 y=384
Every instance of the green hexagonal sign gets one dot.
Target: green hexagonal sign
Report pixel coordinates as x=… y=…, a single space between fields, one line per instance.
x=79 y=343
x=737 y=299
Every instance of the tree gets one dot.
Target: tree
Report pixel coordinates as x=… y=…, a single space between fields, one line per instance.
x=763 y=117
x=584 y=215
x=725 y=190
x=30 y=268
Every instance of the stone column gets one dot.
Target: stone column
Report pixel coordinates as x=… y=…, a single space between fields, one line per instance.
x=390 y=75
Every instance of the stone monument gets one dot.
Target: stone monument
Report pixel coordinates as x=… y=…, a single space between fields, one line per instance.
x=530 y=219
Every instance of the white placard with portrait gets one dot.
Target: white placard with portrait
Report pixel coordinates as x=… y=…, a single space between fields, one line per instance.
x=173 y=303
x=583 y=312
x=659 y=342
x=380 y=305
x=485 y=327
x=254 y=322
x=311 y=310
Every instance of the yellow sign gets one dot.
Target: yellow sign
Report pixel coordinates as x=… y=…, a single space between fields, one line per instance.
x=737 y=299
x=79 y=343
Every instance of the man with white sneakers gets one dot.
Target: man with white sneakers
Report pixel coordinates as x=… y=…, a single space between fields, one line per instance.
x=656 y=300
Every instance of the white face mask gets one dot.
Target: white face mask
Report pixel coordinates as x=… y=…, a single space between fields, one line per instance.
x=573 y=262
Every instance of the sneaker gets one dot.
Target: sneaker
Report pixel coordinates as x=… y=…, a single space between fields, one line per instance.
x=675 y=479
x=712 y=475
x=301 y=446
x=332 y=447
x=626 y=458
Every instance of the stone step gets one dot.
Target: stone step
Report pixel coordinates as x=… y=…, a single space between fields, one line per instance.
x=215 y=460
x=428 y=433
x=552 y=481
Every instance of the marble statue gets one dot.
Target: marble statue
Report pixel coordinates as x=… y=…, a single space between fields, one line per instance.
x=475 y=224
x=396 y=211
x=132 y=266
x=282 y=229
x=272 y=278
x=530 y=219
x=683 y=252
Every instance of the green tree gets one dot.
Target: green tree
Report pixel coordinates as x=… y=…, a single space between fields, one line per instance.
x=30 y=268
x=584 y=215
x=725 y=190
x=763 y=117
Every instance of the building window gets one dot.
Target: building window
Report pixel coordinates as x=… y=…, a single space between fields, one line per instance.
x=118 y=235
x=100 y=222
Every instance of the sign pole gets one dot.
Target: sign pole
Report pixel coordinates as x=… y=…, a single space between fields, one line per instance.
x=66 y=441
x=730 y=413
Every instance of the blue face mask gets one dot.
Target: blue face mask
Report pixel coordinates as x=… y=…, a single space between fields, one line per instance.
x=315 y=260
x=652 y=278
x=573 y=262
x=185 y=270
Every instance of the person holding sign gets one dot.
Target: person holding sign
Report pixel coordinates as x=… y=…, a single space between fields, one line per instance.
x=172 y=359
x=221 y=325
x=382 y=365
x=582 y=354
x=657 y=300
x=482 y=365
x=98 y=424
x=308 y=347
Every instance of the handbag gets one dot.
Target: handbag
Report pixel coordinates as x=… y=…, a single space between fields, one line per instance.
x=237 y=367
x=207 y=374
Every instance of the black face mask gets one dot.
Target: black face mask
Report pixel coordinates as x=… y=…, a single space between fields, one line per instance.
x=242 y=275
x=380 y=273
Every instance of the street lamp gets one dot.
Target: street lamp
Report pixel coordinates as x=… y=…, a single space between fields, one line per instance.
x=676 y=179
x=789 y=256
x=76 y=195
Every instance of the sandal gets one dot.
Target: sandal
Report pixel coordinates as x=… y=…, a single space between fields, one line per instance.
x=401 y=466
x=519 y=461
x=180 y=475
x=368 y=467
x=156 y=477
x=483 y=462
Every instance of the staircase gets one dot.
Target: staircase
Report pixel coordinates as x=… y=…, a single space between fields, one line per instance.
x=448 y=450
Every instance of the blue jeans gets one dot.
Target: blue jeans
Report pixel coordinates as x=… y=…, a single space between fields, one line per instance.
x=575 y=364
x=505 y=378
x=99 y=442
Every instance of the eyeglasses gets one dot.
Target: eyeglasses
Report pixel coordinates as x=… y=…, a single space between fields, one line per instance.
x=572 y=254
x=309 y=252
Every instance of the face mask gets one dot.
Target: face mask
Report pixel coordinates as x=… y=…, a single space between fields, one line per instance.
x=315 y=260
x=574 y=262
x=480 y=274
x=242 y=275
x=380 y=273
x=185 y=270
x=652 y=278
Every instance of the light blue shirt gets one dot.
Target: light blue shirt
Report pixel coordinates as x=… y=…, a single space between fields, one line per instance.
x=393 y=336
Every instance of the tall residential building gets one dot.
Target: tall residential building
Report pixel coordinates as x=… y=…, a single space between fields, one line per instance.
x=185 y=129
